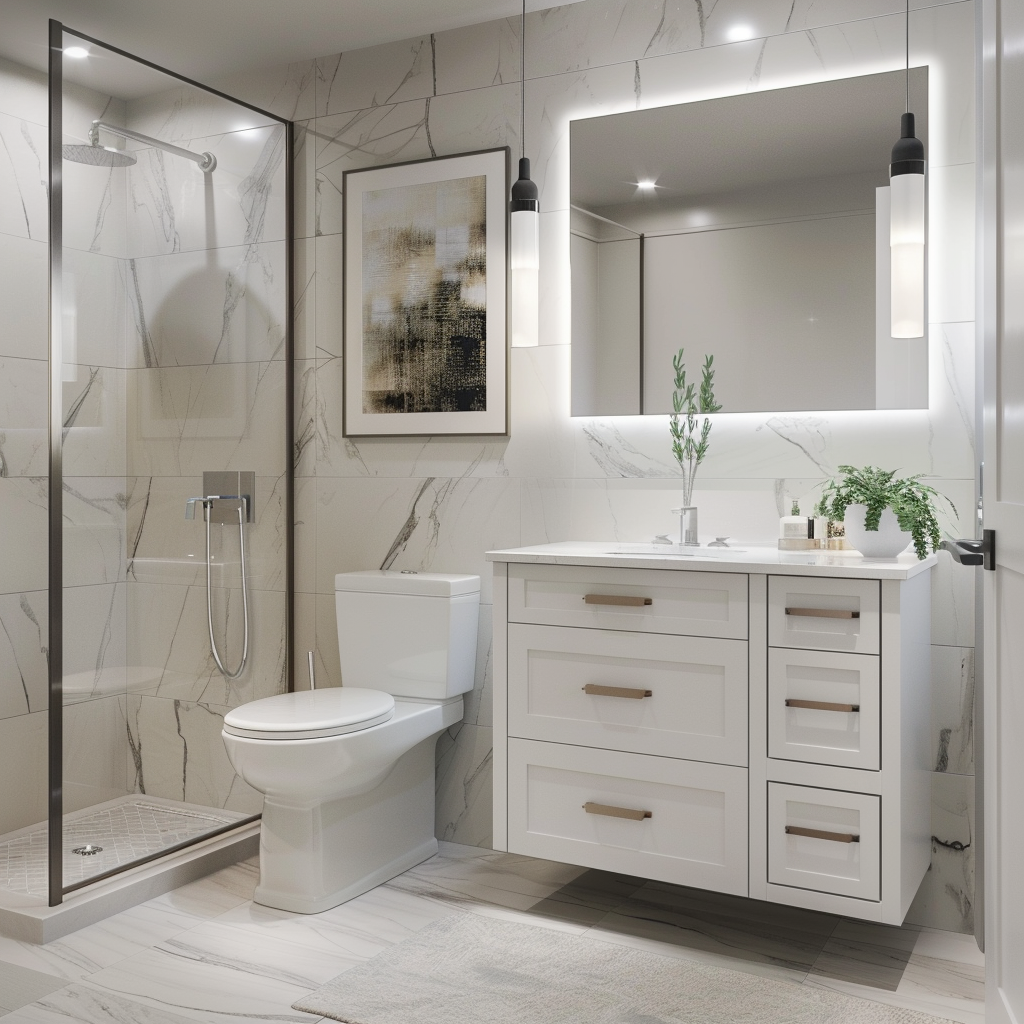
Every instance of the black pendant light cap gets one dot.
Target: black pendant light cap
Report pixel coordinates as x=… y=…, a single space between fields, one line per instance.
x=525 y=196
x=908 y=153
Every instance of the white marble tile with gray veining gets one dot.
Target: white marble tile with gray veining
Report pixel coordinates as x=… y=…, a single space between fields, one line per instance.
x=221 y=417
x=287 y=90
x=436 y=524
x=23 y=540
x=375 y=76
x=169 y=653
x=95 y=641
x=95 y=751
x=176 y=751
x=477 y=56
x=23 y=649
x=183 y=112
x=23 y=395
x=463 y=806
x=953 y=694
x=94 y=511
x=95 y=431
x=176 y=207
x=946 y=897
x=24 y=742
x=24 y=297
x=23 y=178
x=196 y=308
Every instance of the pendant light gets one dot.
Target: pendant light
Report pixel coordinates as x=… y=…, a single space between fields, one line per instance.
x=906 y=224
x=524 y=257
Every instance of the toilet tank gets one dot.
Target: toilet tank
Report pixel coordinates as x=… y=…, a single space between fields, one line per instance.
x=408 y=634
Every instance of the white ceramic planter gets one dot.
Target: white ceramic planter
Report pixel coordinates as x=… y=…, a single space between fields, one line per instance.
x=885 y=542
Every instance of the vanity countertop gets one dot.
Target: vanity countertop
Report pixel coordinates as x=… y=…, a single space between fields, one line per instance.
x=848 y=564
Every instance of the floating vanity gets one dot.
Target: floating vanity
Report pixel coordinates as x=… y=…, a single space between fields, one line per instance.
x=746 y=721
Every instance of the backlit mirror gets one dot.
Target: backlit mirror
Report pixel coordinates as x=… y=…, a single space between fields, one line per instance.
x=749 y=227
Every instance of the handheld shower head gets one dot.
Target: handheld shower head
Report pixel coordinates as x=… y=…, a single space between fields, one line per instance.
x=98 y=156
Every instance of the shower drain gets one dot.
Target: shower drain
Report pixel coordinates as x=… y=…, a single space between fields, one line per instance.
x=89 y=850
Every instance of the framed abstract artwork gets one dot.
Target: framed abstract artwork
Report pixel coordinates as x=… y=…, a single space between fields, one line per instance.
x=425 y=349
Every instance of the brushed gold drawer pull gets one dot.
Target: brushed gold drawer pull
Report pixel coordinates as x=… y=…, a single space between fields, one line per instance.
x=616 y=812
x=824 y=613
x=596 y=690
x=618 y=599
x=816 y=833
x=821 y=705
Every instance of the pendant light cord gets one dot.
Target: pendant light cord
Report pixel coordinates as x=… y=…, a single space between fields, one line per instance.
x=907 y=33
x=522 y=83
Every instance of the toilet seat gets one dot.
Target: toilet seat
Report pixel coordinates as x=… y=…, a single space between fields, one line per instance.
x=311 y=714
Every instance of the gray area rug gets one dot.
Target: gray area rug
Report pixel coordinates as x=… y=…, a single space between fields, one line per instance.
x=470 y=969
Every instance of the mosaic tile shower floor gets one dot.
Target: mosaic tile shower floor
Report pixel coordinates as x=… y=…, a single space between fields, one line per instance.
x=126 y=829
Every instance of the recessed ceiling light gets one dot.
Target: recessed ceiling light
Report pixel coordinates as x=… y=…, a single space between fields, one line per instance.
x=645 y=184
x=77 y=52
x=738 y=33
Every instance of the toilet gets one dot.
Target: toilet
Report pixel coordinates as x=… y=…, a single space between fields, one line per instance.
x=347 y=772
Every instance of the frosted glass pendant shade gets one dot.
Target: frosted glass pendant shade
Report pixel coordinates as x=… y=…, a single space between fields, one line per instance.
x=906 y=234
x=524 y=261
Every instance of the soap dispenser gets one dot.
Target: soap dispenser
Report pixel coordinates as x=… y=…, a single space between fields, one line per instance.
x=793 y=526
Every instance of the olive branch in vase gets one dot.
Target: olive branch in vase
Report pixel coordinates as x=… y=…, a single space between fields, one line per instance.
x=690 y=441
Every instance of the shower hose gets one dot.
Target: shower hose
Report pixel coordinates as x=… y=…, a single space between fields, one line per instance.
x=245 y=597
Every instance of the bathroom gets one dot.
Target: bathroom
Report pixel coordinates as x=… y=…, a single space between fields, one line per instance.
x=430 y=504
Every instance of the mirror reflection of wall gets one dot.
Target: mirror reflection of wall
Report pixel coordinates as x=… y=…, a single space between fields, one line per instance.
x=744 y=227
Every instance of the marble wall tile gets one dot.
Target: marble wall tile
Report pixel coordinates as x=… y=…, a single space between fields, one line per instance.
x=375 y=76
x=304 y=454
x=478 y=56
x=94 y=515
x=304 y=287
x=176 y=207
x=556 y=281
x=953 y=692
x=546 y=511
x=95 y=752
x=169 y=655
x=23 y=177
x=24 y=297
x=304 y=640
x=24 y=746
x=436 y=524
x=304 y=178
x=176 y=751
x=94 y=421
x=464 y=805
x=95 y=642
x=23 y=539
x=165 y=547
x=222 y=417
x=304 y=527
x=328 y=661
x=94 y=295
x=219 y=306
x=94 y=211
x=185 y=112
x=946 y=897
x=23 y=654
x=287 y=90
x=479 y=702
x=24 y=386
x=951 y=233
x=23 y=92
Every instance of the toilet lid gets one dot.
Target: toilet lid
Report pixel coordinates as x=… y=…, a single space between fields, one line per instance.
x=309 y=714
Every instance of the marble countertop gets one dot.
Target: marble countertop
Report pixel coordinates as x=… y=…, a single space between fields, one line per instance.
x=848 y=564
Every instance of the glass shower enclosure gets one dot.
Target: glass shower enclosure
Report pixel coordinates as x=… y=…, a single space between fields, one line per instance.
x=169 y=439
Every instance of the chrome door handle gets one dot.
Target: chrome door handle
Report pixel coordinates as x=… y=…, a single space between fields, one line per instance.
x=973 y=552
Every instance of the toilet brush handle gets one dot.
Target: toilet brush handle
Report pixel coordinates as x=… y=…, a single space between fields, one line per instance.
x=312 y=674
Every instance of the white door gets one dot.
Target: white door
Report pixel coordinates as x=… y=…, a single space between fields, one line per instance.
x=1002 y=315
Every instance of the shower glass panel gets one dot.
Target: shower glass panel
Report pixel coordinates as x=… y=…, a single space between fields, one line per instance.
x=171 y=276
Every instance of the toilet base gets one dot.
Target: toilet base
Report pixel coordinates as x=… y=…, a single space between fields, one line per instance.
x=314 y=857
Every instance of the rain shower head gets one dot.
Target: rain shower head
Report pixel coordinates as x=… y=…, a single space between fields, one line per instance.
x=99 y=156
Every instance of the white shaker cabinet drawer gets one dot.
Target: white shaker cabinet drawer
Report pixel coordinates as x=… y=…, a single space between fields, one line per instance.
x=824 y=614
x=824 y=840
x=636 y=600
x=823 y=707
x=673 y=696
x=677 y=821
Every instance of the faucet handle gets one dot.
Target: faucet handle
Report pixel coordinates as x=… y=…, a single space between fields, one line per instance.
x=190 y=506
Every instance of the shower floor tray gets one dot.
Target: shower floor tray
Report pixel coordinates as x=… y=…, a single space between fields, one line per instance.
x=127 y=828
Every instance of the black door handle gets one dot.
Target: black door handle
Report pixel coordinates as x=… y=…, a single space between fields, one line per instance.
x=973 y=552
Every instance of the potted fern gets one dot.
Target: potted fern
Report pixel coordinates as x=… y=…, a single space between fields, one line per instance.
x=690 y=442
x=883 y=513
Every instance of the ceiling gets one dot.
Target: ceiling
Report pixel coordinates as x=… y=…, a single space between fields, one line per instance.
x=206 y=39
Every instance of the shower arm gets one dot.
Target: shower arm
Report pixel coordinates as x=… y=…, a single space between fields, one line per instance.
x=207 y=161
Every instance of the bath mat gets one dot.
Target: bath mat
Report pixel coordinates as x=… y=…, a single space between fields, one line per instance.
x=470 y=969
